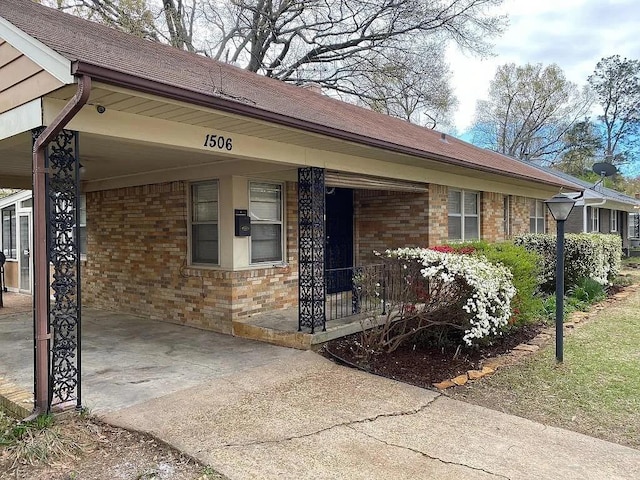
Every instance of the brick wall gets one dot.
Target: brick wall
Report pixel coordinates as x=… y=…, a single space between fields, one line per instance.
x=396 y=219
x=519 y=215
x=492 y=217
x=438 y=214
x=386 y=219
x=137 y=262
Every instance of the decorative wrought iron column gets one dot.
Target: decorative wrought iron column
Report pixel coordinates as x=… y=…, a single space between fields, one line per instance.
x=311 y=251
x=63 y=254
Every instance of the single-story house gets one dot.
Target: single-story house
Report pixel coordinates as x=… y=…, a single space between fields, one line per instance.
x=214 y=194
x=600 y=209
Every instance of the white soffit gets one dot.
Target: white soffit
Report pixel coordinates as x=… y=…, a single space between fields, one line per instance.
x=21 y=119
x=47 y=58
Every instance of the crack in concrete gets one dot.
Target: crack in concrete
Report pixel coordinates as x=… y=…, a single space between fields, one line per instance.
x=430 y=457
x=341 y=424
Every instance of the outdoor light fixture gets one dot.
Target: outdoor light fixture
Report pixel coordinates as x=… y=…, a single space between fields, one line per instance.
x=560 y=206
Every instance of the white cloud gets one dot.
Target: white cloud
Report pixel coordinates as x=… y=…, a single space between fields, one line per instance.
x=574 y=34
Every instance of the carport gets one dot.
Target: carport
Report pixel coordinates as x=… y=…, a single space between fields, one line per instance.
x=128 y=359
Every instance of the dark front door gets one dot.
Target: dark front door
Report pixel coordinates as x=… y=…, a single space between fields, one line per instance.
x=339 y=231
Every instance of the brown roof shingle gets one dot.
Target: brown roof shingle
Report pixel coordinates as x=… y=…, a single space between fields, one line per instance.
x=89 y=43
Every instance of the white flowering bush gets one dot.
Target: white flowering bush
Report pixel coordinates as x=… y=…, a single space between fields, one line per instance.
x=426 y=288
x=587 y=255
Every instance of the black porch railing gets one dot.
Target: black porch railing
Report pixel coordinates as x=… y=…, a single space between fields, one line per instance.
x=354 y=290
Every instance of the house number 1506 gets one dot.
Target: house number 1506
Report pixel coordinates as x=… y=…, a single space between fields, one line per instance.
x=218 y=141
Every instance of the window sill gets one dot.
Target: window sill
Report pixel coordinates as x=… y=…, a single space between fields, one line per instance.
x=253 y=266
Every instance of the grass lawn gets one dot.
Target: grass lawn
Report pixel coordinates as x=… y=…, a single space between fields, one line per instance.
x=595 y=391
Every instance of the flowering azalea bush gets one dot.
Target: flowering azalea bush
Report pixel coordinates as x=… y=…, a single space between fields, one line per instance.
x=524 y=266
x=461 y=249
x=426 y=288
x=587 y=255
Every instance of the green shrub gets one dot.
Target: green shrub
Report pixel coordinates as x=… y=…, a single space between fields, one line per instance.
x=587 y=255
x=588 y=291
x=570 y=306
x=525 y=268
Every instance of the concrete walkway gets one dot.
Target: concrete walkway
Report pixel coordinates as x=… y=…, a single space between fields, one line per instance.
x=306 y=418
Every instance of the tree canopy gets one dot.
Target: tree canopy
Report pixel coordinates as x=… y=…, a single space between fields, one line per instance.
x=616 y=83
x=530 y=110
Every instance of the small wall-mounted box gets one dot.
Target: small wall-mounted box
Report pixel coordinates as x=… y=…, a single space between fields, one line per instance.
x=243 y=223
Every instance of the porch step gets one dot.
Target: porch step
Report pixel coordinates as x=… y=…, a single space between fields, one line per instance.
x=279 y=330
x=15 y=401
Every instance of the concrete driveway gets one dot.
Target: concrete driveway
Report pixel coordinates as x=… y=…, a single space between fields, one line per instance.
x=307 y=418
x=128 y=360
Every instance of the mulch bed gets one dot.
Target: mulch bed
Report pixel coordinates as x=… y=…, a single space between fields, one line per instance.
x=424 y=365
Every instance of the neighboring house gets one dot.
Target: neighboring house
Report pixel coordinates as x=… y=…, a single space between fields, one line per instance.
x=16 y=238
x=600 y=209
x=214 y=194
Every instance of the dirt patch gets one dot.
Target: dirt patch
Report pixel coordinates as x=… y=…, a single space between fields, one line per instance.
x=86 y=449
x=423 y=365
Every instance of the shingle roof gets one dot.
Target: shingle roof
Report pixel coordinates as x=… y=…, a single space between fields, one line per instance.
x=82 y=41
x=599 y=191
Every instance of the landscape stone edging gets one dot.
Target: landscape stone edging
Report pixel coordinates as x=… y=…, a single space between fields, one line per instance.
x=517 y=353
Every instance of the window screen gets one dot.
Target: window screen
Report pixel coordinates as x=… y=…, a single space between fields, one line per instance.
x=265 y=209
x=204 y=222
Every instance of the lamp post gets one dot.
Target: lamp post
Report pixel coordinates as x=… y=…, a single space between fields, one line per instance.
x=560 y=206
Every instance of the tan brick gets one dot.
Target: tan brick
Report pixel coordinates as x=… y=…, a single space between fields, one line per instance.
x=136 y=262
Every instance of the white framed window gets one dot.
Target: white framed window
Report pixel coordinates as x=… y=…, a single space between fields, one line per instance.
x=204 y=223
x=594 y=219
x=266 y=212
x=9 y=239
x=536 y=216
x=464 y=217
x=614 y=221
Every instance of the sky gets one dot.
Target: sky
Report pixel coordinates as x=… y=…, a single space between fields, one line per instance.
x=574 y=34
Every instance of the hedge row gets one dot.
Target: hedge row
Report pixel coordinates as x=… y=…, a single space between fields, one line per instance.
x=587 y=255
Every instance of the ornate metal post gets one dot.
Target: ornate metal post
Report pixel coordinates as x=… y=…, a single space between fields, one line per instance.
x=63 y=254
x=311 y=238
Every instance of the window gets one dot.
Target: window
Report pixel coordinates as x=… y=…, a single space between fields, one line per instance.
x=506 y=208
x=614 y=221
x=594 y=219
x=204 y=222
x=83 y=224
x=265 y=210
x=464 y=220
x=9 y=232
x=536 y=216
x=633 y=225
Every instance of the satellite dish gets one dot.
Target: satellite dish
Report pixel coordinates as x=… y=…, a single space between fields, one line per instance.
x=604 y=169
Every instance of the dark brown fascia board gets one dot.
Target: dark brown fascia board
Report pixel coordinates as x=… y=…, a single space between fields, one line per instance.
x=125 y=80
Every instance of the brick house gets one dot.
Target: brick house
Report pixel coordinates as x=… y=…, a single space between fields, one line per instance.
x=177 y=154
